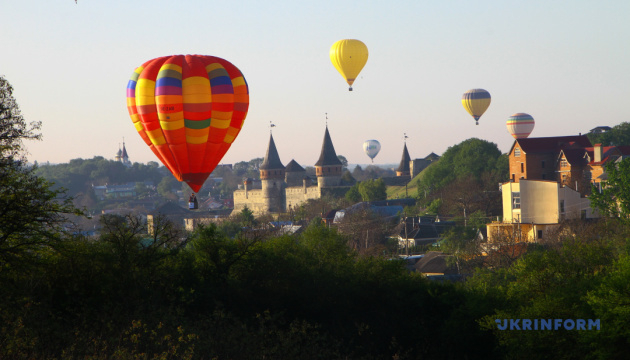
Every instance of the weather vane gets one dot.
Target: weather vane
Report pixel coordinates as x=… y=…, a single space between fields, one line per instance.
x=271 y=125
x=405 y=137
x=326 y=119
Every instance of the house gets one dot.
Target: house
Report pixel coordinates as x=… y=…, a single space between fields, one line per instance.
x=422 y=230
x=436 y=263
x=550 y=181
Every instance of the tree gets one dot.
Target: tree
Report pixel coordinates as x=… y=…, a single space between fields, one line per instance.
x=618 y=135
x=344 y=162
x=246 y=217
x=614 y=198
x=353 y=195
x=373 y=190
x=468 y=159
x=31 y=213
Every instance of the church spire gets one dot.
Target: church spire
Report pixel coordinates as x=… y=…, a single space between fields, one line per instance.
x=403 y=168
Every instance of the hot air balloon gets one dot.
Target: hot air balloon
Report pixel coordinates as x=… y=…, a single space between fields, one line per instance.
x=476 y=102
x=520 y=125
x=188 y=109
x=371 y=148
x=349 y=57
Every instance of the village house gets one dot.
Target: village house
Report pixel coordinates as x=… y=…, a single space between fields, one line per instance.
x=550 y=180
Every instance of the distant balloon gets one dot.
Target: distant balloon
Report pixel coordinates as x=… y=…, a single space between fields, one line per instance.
x=188 y=109
x=371 y=148
x=520 y=125
x=349 y=57
x=476 y=102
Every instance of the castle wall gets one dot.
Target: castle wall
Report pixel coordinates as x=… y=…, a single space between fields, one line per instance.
x=296 y=195
x=254 y=201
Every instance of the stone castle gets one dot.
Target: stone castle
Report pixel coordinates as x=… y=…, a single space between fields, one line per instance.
x=283 y=188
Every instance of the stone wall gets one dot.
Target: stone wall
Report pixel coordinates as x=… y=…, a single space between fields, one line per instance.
x=253 y=199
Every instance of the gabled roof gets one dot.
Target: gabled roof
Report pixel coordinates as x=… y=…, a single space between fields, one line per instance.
x=272 y=160
x=432 y=157
x=552 y=144
x=434 y=262
x=573 y=156
x=328 y=156
x=607 y=153
x=293 y=166
x=404 y=161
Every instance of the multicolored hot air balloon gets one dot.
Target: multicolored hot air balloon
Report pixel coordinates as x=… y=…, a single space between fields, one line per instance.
x=188 y=109
x=476 y=102
x=371 y=148
x=349 y=57
x=520 y=125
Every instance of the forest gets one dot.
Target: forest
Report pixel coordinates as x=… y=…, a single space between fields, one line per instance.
x=227 y=292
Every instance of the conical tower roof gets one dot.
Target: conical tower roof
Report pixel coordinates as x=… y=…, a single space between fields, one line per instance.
x=328 y=155
x=404 y=162
x=272 y=160
x=293 y=166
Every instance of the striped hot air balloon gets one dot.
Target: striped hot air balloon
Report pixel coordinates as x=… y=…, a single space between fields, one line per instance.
x=349 y=56
x=476 y=102
x=188 y=109
x=520 y=125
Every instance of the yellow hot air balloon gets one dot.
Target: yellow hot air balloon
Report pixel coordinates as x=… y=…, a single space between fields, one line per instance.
x=476 y=102
x=349 y=57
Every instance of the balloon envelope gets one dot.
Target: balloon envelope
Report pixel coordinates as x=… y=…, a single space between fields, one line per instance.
x=520 y=125
x=349 y=57
x=371 y=148
x=476 y=102
x=188 y=109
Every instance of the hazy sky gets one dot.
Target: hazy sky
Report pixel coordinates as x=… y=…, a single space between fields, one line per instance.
x=567 y=63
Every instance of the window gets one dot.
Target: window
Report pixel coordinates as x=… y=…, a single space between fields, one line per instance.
x=540 y=233
x=564 y=162
x=513 y=177
x=522 y=167
x=517 y=152
x=516 y=200
x=561 y=206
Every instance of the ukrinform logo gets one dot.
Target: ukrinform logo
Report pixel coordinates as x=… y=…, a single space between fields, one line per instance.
x=547 y=324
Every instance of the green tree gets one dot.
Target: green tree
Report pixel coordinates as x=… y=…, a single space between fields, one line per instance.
x=32 y=215
x=618 y=135
x=373 y=190
x=614 y=198
x=468 y=159
x=166 y=186
x=246 y=217
x=353 y=195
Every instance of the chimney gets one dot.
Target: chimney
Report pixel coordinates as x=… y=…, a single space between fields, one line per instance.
x=597 y=152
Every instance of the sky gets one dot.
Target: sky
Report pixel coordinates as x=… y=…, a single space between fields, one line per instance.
x=566 y=63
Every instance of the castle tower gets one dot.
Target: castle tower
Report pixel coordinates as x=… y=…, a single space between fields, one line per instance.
x=272 y=179
x=328 y=167
x=403 y=168
x=294 y=174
